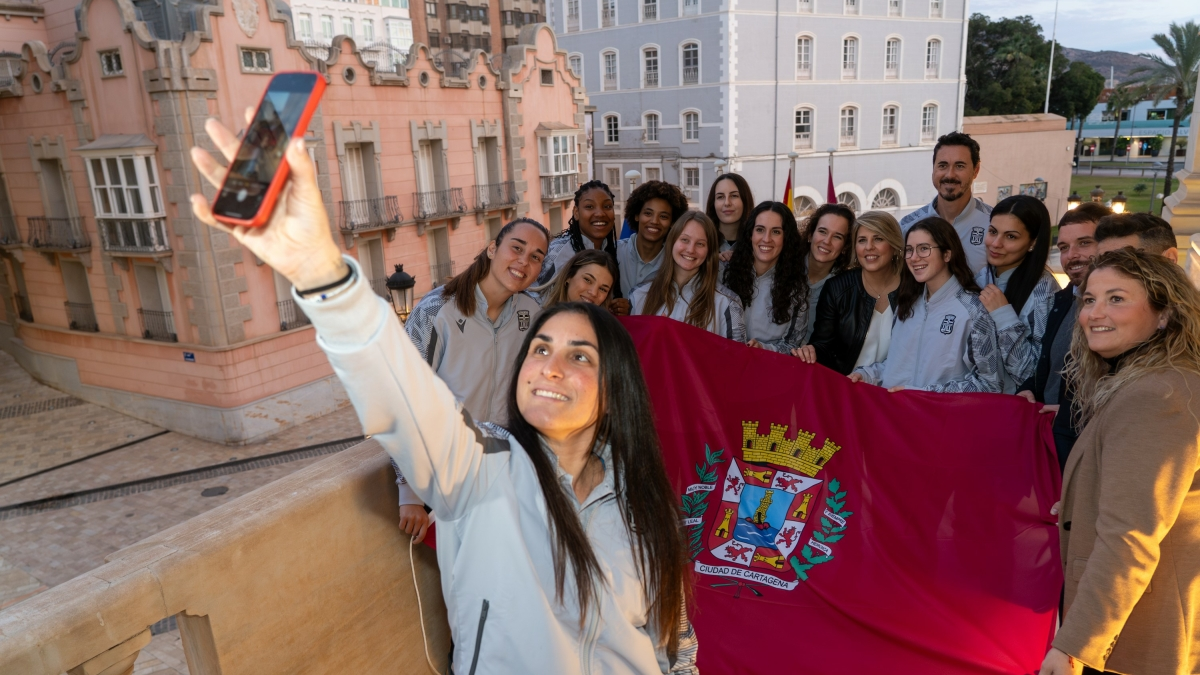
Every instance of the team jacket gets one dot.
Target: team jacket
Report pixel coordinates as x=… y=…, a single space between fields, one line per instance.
x=494 y=542
x=635 y=272
x=1021 y=334
x=949 y=344
x=558 y=254
x=728 y=320
x=971 y=226
x=760 y=325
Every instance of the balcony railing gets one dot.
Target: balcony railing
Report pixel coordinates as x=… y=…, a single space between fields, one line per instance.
x=135 y=236
x=931 y=72
x=847 y=141
x=572 y=23
x=691 y=7
x=927 y=135
x=893 y=7
x=318 y=48
x=608 y=17
x=369 y=214
x=849 y=72
x=691 y=74
x=495 y=195
x=439 y=204
x=891 y=72
x=60 y=234
x=650 y=11
x=651 y=78
x=81 y=316
x=559 y=187
x=610 y=83
x=441 y=272
x=803 y=72
x=290 y=316
x=157 y=325
x=935 y=9
x=803 y=141
x=8 y=230
x=889 y=138
x=23 y=309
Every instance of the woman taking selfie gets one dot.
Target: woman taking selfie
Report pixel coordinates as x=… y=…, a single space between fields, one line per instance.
x=827 y=233
x=606 y=598
x=685 y=287
x=857 y=308
x=588 y=277
x=591 y=226
x=651 y=209
x=729 y=204
x=766 y=272
x=1129 y=519
x=1017 y=284
x=943 y=339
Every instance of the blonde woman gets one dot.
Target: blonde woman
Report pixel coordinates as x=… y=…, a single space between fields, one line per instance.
x=1129 y=527
x=587 y=277
x=685 y=288
x=855 y=313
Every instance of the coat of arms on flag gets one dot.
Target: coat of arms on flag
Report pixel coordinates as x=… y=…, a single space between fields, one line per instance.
x=768 y=498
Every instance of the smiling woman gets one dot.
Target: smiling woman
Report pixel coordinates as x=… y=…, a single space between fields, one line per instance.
x=592 y=225
x=580 y=446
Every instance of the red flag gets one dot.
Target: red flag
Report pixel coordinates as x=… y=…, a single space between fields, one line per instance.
x=835 y=528
x=830 y=195
x=787 y=192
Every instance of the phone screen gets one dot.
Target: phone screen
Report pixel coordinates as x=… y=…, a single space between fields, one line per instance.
x=261 y=151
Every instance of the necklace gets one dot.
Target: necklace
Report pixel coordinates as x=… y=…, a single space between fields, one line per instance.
x=871 y=293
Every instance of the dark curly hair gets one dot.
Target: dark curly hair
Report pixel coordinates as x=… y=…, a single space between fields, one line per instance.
x=789 y=292
x=654 y=189
x=610 y=242
x=847 y=255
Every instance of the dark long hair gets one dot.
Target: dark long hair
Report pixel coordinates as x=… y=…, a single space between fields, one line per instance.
x=462 y=286
x=662 y=293
x=710 y=208
x=946 y=239
x=846 y=257
x=1033 y=215
x=644 y=495
x=790 y=288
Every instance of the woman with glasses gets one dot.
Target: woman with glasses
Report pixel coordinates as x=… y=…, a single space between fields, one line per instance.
x=944 y=339
x=1017 y=285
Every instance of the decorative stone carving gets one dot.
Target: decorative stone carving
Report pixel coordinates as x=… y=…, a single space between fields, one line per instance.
x=247 y=16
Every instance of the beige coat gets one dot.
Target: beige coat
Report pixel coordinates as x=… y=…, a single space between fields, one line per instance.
x=1130 y=532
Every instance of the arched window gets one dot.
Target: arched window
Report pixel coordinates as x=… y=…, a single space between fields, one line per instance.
x=650 y=67
x=803 y=205
x=848 y=127
x=612 y=129
x=576 y=64
x=572 y=15
x=933 y=59
x=929 y=122
x=691 y=126
x=651 y=127
x=849 y=58
x=848 y=199
x=691 y=63
x=803 y=139
x=804 y=57
x=891 y=122
x=609 y=61
x=608 y=13
x=886 y=199
x=891 y=59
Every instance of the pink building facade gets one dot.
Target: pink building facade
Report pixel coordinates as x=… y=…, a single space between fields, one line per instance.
x=113 y=292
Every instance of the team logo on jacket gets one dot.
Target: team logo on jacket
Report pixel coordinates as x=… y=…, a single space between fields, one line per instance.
x=765 y=519
x=976 y=236
x=462 y=325
x=522 y=319
x=947 y=324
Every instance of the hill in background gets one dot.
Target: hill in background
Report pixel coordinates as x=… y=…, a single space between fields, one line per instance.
x=1122 y=63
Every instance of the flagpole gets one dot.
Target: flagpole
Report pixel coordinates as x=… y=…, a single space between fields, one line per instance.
x=792 y=179
x=1050 y=71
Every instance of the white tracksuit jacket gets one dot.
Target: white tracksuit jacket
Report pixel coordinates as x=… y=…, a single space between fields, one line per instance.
x=494 y=546
x=728 y=319
x=1020 y=334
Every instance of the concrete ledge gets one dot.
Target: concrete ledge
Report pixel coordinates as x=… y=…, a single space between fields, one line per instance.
x=233 y=426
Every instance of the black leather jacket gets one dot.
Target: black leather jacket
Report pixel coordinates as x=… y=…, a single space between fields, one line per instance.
x=844 y=314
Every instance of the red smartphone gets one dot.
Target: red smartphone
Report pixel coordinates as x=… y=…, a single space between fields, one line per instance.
x=259 y=170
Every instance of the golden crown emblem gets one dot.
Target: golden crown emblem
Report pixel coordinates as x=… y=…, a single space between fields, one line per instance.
x=797 y=454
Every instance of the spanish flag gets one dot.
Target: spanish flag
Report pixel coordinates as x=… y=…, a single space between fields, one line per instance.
x=787 y=193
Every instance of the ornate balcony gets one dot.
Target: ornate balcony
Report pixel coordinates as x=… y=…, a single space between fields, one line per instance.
x=135 y=237
x=495 y=196
x=691 y=74
x=559 y=187
x=9 y=236
x=157 y=325
x=651 y=78
x=81 y=316
x=363 y=215
x=290 y=316
x=58 y=234
x=439 y=204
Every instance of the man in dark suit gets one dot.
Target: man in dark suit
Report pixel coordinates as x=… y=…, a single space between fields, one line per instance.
x=1076 y=247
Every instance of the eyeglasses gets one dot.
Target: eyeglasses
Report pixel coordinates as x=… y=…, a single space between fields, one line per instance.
x=921 y=251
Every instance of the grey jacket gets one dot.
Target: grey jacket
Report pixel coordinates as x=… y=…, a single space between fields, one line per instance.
x=971 y=226
x=1021 y=334
x=634 y=271
x=728 y=320
x=494 y=542
x=761 y=326
x=949 y=344
x=558 y=254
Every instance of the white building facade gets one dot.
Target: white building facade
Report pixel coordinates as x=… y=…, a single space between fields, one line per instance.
x=684 y=87
x=385 y=26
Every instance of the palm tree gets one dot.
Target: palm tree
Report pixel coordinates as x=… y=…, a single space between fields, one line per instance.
x=1119 y=100
x=1176 y=75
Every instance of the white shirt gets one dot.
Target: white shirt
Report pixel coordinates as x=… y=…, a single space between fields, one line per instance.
x=879 y=337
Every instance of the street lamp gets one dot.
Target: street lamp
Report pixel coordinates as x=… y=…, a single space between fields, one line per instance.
x=400 y=287
x=632 y=176
x=1097 y=195
x=1118 y=202
x=1074 y=200
x=719 y=166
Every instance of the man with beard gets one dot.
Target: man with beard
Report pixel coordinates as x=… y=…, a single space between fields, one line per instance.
x=955 y=166
x=1077 y=245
